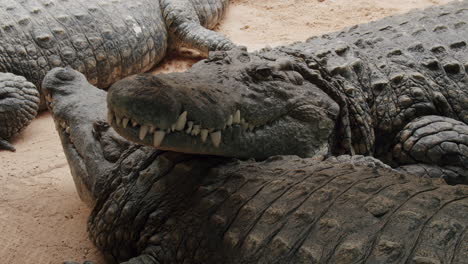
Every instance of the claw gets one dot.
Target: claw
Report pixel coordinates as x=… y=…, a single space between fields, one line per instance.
x=5 y=145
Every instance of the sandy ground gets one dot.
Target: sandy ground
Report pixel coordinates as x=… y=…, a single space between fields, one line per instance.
x=42 y=219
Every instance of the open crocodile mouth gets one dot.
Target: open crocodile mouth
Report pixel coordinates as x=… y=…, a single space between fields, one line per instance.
x=155 y=135
x=237 y=137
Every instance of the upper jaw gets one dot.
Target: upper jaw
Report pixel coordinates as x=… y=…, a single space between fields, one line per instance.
x=153 y=101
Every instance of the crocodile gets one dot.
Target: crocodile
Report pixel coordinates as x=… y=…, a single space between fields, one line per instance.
x=106 y=40
x=395 y=89
x=153 y=206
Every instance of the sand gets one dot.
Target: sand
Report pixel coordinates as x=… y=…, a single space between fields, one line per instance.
x=42 y=219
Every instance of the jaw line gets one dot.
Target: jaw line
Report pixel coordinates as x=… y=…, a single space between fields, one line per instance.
x=77 y=165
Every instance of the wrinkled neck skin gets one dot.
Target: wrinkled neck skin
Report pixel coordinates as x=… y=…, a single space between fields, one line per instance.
x=91 y=147
x=233 y=104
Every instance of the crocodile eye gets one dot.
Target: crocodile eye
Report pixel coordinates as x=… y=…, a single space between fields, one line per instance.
x=263 y=72
x=216 y=56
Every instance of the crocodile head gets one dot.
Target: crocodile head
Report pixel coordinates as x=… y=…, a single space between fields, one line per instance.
x=90 y=145
x=237 y=104
x=106 y=167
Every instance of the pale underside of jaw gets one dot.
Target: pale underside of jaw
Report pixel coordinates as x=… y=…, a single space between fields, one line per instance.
x=182 y=124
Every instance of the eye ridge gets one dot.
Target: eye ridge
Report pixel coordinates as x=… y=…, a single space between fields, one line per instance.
x=263 y=71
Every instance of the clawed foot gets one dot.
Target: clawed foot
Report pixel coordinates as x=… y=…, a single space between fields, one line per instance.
x=434 y=146
x=5 y=145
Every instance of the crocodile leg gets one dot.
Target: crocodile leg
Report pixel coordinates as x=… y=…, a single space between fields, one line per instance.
x=19 y=103
x=187 y=22
x=434 y=146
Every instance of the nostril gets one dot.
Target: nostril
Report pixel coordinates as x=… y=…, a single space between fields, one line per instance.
x=65 y=75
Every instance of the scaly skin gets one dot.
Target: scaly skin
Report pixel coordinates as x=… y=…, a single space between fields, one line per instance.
x=105 y=40
x=152 y=207
x=395 y=89
x=19 y=104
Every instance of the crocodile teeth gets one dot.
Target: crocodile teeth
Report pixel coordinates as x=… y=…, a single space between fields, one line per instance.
x=204 y=135
x=63 y=124
x=158 y=138
x=190 y=126
x=152 y=129
x=118 y=120
x=125 y=122
x=180 y=123
x=48 y=98
x=196 y=130
x=237 y=118
x=143 y=131
x=251 y=127
x=229 y=121
x=134 y=123
x=173 y=127
x=216 y=138
x=110 y=117
x=67 y=130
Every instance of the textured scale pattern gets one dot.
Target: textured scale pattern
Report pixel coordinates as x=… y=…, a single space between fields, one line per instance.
x=395 y=70
x=183 y=23
x=151 y=206
x=433 y=140
x=105 y=40
x=385 y=77
x=154 y=207
x=283 y=210
x=18 y=104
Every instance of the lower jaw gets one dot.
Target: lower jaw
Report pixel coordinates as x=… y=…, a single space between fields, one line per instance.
x=77 y=168
x=249 y=147
x=285 y=136
x=177 y=141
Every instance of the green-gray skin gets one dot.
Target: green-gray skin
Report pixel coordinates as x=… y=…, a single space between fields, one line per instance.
x=153 y=207
x=19 y=103
x=395 y=89
x=106 y=40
